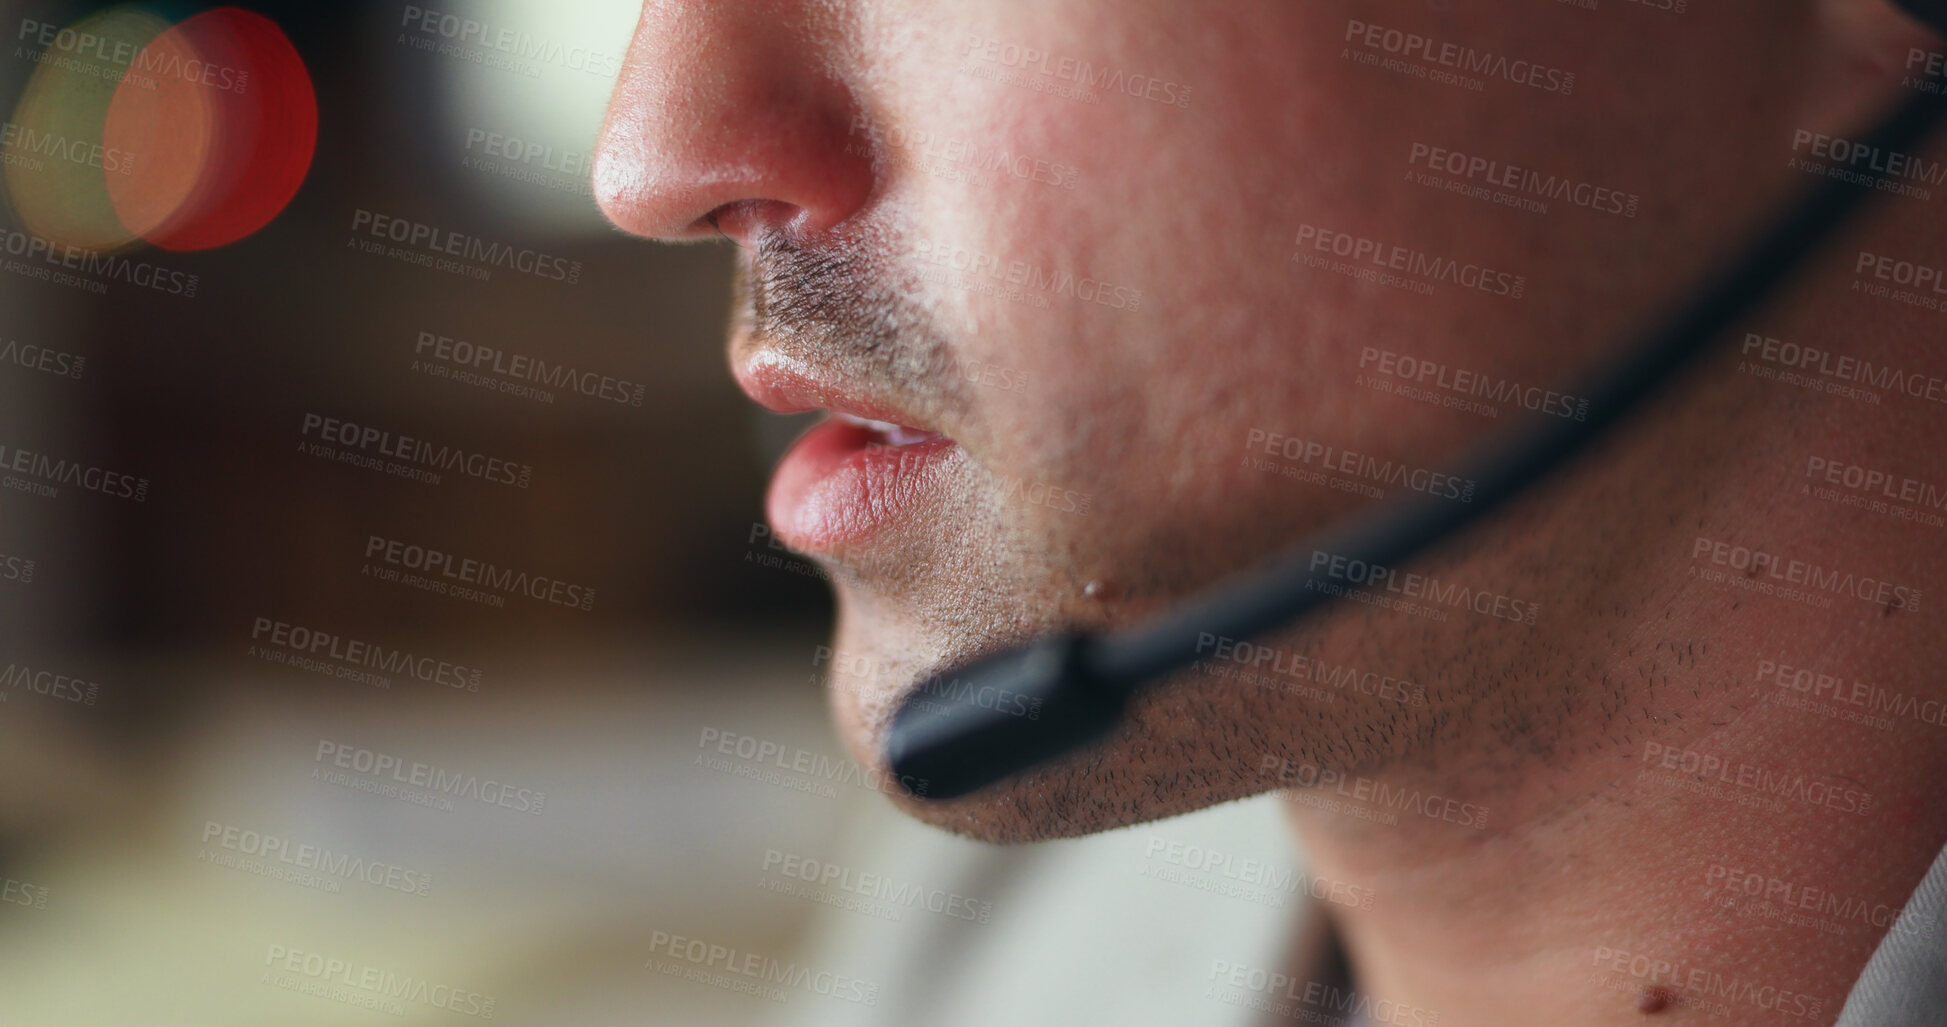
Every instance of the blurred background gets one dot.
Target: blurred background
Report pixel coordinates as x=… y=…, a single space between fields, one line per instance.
x=252 y=771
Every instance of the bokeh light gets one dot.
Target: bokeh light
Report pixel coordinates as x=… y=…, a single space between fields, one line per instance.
x=57 y=169
x=187 y=137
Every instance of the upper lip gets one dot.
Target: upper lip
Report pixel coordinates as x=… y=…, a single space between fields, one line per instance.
x=784 y=385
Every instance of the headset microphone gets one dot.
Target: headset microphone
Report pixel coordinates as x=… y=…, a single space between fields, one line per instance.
x=1071 y=689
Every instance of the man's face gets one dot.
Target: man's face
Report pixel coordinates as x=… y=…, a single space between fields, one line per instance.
x=1164 y=278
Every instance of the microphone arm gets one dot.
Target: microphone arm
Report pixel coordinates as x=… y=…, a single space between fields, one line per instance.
x=1071 y=689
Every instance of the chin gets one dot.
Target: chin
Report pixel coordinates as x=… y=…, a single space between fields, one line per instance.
x=1079 y=795
x=868 y=690
x=1155 y=764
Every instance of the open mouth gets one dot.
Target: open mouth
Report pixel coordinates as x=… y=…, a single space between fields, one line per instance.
x=849 y=477
x=852 y=474
x=885 y=432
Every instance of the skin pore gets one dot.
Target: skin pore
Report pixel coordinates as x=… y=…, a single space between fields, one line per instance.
x=909 y=186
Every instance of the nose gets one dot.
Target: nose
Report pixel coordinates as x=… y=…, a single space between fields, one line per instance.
x=730 y=115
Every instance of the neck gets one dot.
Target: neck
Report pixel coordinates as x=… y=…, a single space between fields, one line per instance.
x=1747 y=791
x=1743 y=860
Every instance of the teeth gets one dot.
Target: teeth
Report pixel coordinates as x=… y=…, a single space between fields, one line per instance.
x=894 y=434
x=884 y=427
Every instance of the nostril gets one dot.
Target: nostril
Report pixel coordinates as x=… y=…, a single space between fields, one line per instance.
x=740 y=220
x=711 y=220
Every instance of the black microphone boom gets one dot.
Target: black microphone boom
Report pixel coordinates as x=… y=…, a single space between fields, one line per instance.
x=1073 y=688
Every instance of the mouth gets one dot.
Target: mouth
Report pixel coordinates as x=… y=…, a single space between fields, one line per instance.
x=854 y=474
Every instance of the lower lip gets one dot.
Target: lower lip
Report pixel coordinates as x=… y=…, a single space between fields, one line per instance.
x=840 y=484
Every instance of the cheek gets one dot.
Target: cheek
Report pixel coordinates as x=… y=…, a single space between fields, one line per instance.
x=1122 y=338
x=1113 y=241
x=869 y=662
